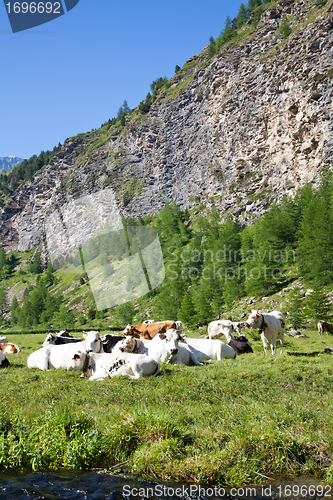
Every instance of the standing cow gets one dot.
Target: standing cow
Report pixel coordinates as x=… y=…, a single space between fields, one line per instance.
x=272 y=327
x=323 y=326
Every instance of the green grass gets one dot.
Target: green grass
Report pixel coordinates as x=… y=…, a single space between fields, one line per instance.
x=225 y=422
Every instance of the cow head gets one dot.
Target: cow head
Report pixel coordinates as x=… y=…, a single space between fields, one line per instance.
x=237 y=326
x=171 y=338
x=50 y=339
x=244 y=339
x=127 y=330
x=127 y=344
x=93 y=341
x=77 y=362
x=254 y=320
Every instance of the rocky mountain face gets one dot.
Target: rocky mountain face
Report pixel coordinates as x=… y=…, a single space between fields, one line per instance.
x=237 y=131
x=8 y=162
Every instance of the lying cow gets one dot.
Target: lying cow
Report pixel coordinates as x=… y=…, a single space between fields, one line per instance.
x=323 y=326
x=109 y=342
x=58 y=339
x=148 y=331
x=207 y=349
x=9 y=348
x=3 y=360
x=166 y=347
x=58 y=356
x=240 y=344
x=272 y=327
x=99 y=366
x=133 y=345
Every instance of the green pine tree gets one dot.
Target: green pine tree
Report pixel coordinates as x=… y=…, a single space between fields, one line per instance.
x=317 y=305
x=186 y=313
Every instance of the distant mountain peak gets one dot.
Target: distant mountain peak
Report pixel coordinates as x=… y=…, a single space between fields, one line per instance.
x=8 y=162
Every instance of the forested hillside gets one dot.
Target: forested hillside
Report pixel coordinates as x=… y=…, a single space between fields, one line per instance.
x=210 y=267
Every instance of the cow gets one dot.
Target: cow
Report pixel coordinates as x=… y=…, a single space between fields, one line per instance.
x=323 y=326
x=237 y=327
x=241 y=345
x=99 y=366
x=133 y=345
x=220 y=327
x=110 y=341
x=57 y=356
x=166 y=347
x=148 y=331
x=3 y=360
x=207 y=349
x=58 y=339
x=9 y=348
x=148 y=321
x=271 y=326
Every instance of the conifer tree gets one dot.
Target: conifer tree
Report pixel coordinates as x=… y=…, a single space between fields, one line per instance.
x=2 y=258
x=211 y=47
x=186 y=313
x=241 y=16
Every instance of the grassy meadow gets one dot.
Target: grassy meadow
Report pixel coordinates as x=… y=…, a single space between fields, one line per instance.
x=227 y=422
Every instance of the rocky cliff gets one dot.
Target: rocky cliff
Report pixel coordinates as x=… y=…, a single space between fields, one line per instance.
x=236 y=131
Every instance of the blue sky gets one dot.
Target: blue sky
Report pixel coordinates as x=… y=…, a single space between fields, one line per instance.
x=71 y=74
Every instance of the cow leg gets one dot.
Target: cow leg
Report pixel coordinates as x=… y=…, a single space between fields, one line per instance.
x=281 y=344
x=273 y=344
x=44 y=363
x=194 y=359
x=135 y=371
x=99 y=374
x=264 y=341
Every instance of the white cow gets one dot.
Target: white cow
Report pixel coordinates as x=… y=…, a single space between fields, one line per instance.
x=165 y=347
x=237 y=327
x=220 y=327
x=57 y=356
x=271 y=325
x=207 y=349
x=99 y=366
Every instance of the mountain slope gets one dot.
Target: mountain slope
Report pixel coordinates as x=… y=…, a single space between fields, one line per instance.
x=8 y=162
x=237 y=132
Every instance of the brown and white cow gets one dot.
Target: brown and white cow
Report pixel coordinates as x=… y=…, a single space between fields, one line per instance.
x=271 y=326
x=9 y=348
x=148 y=331
x=323 y=326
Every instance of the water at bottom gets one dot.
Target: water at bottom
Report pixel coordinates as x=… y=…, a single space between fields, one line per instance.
x=78 y=485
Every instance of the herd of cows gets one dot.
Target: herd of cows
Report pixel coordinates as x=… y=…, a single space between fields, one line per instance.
x=139 y=349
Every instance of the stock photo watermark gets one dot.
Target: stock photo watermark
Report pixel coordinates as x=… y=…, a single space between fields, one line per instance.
x=197 y=491
x=87 y=235
x=227 y=264
x=24 y=15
